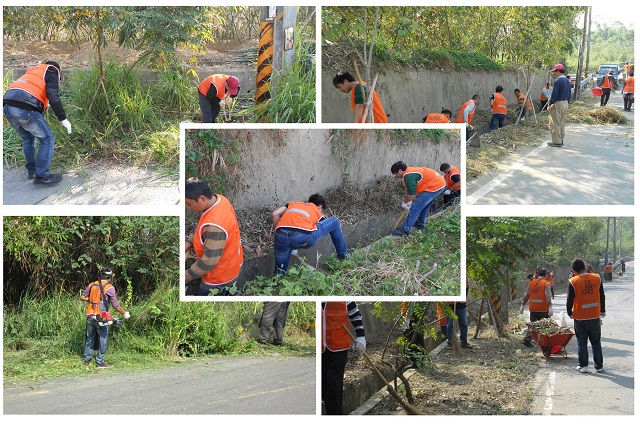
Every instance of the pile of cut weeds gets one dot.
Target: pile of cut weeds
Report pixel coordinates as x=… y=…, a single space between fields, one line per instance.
x=495 y=377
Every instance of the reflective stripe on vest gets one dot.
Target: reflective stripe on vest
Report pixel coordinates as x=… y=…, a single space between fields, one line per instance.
x=629 y=85
x=300 y=215
x=537 y=297
x=499 y=104
x=429 y=181
x=379 y=116
x=586 y=303
x=33 y=83
x=221 y=215
x=334 y=337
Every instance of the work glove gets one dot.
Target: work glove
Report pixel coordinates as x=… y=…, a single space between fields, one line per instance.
x=127 y=315
x=550 y=311
x=360 y=345
x=66 y=125
x=447 y=191
x=522 y=309
x=406 y=206
x=603 y=314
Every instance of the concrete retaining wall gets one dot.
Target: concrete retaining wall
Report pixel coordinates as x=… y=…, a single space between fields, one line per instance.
x=289 y=165
x=410 y=94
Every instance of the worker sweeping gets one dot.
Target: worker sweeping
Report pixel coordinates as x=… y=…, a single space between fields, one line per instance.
x=423 y=187
x=212 y=91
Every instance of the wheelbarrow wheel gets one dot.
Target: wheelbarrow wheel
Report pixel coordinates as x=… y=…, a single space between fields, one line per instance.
x=546 y=350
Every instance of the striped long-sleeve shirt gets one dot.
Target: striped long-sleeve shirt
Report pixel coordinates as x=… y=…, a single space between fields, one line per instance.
x=214 y=242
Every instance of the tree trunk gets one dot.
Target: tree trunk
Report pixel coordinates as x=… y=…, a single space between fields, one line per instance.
x=606 y=251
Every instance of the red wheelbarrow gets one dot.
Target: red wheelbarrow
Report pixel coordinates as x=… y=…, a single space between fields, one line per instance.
x=596 y=91
x=552 y=344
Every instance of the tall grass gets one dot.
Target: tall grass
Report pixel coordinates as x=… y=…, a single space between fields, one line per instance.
x=50 y=331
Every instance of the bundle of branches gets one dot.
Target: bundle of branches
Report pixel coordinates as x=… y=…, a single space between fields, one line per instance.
x=547 y=326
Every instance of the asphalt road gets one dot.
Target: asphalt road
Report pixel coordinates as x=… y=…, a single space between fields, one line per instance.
x=228 y=385
x=97 y=184
x=594 y=167
x=560 y=389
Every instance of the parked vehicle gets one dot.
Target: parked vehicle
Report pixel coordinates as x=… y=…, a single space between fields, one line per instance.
x=604 y=70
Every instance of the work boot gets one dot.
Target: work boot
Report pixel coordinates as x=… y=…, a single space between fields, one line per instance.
x=103 y=365
x=50 y=179
x=466 y=345
x=554 y=144
x=399 y=232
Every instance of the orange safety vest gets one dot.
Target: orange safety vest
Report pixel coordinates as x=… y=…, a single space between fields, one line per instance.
x=542 y=96
x=442 y=320
x=628 y=85
x=300 y=215
x=521 y=98
x=460 y=117
x=537 y=298
x=221 y=215
x=549 y=277
x=96 y=303
x=499 y=104
x=586 y=304
x=437 y=118
x=429 y=181
x=218 y=80
x=447 y=177
x=334 y=337
x=608 y=269
x=607 y=83
x=33 y=83
x=379 y=116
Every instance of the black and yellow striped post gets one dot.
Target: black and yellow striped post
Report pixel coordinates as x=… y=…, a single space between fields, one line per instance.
x=265 y=56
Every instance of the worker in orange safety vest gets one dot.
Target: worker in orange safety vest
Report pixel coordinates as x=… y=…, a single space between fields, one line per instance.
x=628 y=92
x=214 y=90
x=346 y=83
x=538 y=295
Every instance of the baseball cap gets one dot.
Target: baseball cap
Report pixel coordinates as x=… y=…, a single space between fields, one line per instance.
x=234 y=85
x=558 y=67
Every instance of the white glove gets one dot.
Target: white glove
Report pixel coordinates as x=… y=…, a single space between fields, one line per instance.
x=406 y=206
x=66 y=125
x=361 y=345
x=603 y=314
x=522 y=309
x=550 y=311
x=127 y=315
x=447 y=191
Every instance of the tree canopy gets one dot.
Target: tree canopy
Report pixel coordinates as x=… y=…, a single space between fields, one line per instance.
x=523 y=35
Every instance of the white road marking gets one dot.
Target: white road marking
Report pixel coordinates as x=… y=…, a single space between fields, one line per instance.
x=484 y=190
x=548 y=401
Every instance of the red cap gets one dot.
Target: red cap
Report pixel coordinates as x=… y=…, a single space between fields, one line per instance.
x=234 y=85
x=558 y=67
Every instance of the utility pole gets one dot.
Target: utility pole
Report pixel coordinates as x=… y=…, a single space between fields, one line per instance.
x=576 y=91
x=615 y=237
x=586 y=66
x=606 y=251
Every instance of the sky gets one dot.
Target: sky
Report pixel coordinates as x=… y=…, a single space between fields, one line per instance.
x=609 y=15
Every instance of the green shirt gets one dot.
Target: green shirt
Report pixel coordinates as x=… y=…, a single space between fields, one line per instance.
x=358 y=97
x=411 y=180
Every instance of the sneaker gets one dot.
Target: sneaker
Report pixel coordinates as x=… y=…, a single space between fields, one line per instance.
x=553 y=144
x=86 y=361
x=581 y=369
x=103 y=365
x=399 y=232
x=31 y=174
x=419 y=228
x=466 y=345
x=345 y=256
x=600 y=370
x=47 y=180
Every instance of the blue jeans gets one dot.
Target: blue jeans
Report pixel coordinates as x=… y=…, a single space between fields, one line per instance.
x=497 y=120
x=461 y=313
x=420 y=209
x=286 y=240
x=31 y=125
x=93 y=332
x=588 y=329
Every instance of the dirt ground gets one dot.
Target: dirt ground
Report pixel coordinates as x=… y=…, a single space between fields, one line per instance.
x=495 y=377
x=26 y=53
